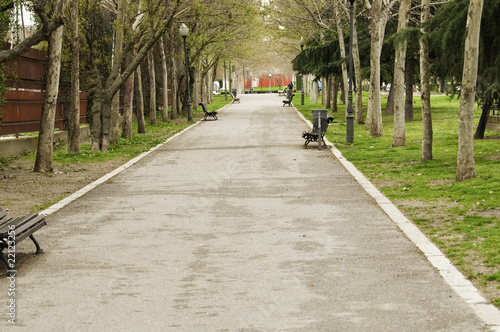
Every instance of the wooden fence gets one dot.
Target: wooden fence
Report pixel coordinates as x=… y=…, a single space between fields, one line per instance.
x=25 y=81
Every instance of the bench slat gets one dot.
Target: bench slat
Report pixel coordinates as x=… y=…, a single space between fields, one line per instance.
x=22 y=223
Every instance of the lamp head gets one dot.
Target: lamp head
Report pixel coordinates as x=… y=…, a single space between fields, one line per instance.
x=183 y=30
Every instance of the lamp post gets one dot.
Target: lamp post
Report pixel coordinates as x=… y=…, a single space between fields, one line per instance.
x=184 y=30
x=224 y=84
x=301 y=43
x=269 y=83
x=349 y=134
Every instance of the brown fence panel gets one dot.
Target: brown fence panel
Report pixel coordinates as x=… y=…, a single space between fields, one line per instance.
x=22 y=109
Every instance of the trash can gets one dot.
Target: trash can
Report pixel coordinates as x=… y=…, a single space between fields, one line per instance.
x=234 y=92
x=320 y=122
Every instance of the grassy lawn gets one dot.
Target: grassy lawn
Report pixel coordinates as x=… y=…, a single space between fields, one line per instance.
x=462 y=218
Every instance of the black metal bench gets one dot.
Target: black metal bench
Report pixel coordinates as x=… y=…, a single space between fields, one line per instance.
x=212 y=114
x=15 y=229
x=319 y=118
x=288 y=101
x=234 y=98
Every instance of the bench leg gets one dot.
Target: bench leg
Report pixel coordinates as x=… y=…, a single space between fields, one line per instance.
x=4 y=260
x=38 y=249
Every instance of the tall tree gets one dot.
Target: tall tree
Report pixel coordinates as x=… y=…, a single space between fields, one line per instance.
x=399 y=136
x=466 y=167
x=378 y=10
x=74 y=116
x=43 y=162
x=425 y=89
x=164 y=79
x=119 y=36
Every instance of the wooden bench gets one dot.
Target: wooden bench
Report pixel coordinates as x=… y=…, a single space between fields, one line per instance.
x=281 y=92
x=212 y=114
x=15 y=229
x=288 y=101
x=234 y=98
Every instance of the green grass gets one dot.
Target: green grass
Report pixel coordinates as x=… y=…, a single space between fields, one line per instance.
x=460 y=217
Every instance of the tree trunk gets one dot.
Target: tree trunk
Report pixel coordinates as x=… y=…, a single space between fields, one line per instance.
x=425 y=91
x=175 y=89
x=398 y=136
x=335 y=94
x=409 y=75
x=327 y=92
x=314 y=92
x=359 y=118
x=141 y=122
x=115 y=108
x=377 y=23
x=43 y=162
x=340 y=35
x=483 y=121
x=466 y=168
x=164 y=116
x=128 y=102
x=74 y=116
x=152 y=87
x=389 y=108
x=96 y=91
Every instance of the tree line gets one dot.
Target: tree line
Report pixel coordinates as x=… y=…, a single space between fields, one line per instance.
x=403 y=42
x=108 y=47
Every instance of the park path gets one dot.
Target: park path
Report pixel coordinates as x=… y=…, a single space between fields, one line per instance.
x=232 y=226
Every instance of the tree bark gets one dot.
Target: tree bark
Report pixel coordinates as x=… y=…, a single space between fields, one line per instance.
x=377 y=22
x=335 y=94
x=398 y=136
x=43 y=162
x=152 y=87
x=425 y=91
x=141 y=122
x=483 y=121
x=74 y=116
x=175 y=89
x=164 y=116
x=389 y=108
x=115 y=108
x=409 y=75
x=128 y=102
x=359 y=116
x=466 y=167
x=340 y=35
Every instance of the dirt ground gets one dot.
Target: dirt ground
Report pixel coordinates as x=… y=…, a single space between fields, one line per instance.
x=24 y=191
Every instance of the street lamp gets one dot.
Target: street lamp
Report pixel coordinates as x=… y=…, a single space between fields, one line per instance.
x=349 y=134
x=269 y=83
x=224 y=84
x=184 y=30
x=301 y=43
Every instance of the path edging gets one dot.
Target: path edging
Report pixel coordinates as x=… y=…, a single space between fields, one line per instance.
x=487 y=312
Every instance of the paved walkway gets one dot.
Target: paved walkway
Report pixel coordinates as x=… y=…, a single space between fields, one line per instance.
x=232 y=226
